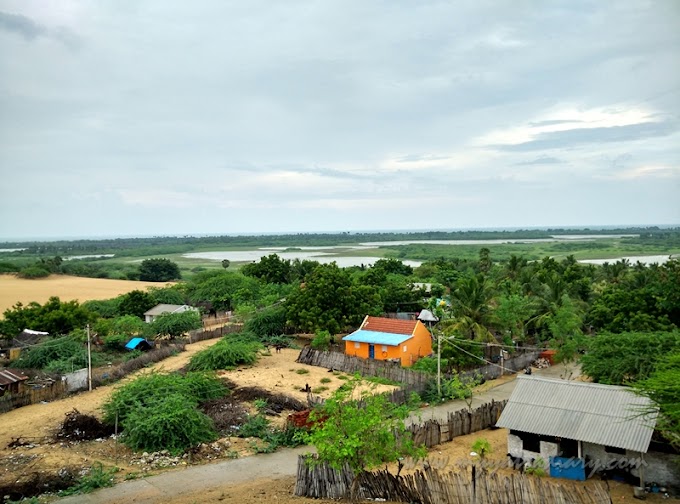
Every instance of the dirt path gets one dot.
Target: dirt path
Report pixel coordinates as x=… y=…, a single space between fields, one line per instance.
x=224 y=481
x=40 y=420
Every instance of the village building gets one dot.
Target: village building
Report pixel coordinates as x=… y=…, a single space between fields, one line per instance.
x=578 y=429
x=11 y=382
x=380 y=338
x=153 y=313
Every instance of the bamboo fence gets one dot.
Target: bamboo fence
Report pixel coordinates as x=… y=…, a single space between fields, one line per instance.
x=431 y=486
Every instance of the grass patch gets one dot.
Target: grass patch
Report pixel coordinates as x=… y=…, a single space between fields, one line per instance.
x=380 y=380
x=343 y=377
x=98 y=477
x=302 y=371
x=319 y=390
x=325 y=380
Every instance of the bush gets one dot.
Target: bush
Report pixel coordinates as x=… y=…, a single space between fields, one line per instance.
x=148 y=389
x=64 y=350
x=322 y=340
x=34 y=271
x=171 y=422
x=269 y=322
x=116 y=342
x=226 y=354
x=482 y=447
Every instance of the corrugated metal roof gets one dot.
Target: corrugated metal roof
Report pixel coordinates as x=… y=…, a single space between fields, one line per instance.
x=163 y=308
x=601 y=414
x=377 y=337
x=7 y=377
x=386 y=325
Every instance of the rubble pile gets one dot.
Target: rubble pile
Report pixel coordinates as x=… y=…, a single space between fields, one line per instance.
x=541 y=363
x=227 y=413
x=79 y=427
x=275 y=402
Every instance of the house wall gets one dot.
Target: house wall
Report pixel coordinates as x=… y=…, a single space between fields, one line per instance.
x=660 y=468
x=382 y=352
x=418 y=346
x=515 y=447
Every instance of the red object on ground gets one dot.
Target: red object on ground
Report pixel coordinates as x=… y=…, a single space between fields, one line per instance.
x=549 y=355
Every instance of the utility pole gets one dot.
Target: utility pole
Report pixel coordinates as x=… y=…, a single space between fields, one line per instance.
x=439 y=363
x=89 y=360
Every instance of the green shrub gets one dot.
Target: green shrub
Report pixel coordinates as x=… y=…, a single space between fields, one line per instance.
x=256 y=426
x=148 y=389
x=322 y=340
x=171 y=422
x=116 y=342
x=97 y=477
x=34 y=271
x=267 y=323
x=63 y=349
x=226 y=354
x=482 y=447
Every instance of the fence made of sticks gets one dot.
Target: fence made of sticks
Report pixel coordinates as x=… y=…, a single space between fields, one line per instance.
x=54 y=390
x=458 y=423
x=365 y=367
x=431 y=486
x=217 y=332
x=393 y=370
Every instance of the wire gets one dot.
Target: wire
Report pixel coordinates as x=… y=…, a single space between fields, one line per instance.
x=484 y=360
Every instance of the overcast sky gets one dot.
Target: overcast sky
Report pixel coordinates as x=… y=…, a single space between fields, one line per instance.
x=166 y=117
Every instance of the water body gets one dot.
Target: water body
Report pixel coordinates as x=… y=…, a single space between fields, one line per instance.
x=88 y=256
x=646 y=260
x=309 y=253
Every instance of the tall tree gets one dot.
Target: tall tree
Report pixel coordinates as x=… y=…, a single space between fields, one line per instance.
x=158 y=270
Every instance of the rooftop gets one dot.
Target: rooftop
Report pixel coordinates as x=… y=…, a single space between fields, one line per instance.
x=601 y=414
x=387 y=325
x=377 y=338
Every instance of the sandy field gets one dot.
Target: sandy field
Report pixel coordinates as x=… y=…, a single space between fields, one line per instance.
x=67 y=288
x=37 y=423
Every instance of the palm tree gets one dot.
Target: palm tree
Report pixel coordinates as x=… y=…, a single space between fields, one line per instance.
x=471 y=309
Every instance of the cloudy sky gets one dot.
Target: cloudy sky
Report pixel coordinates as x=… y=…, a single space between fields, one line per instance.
x=171 y=117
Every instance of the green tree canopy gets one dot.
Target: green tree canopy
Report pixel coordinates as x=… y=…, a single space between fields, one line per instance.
x=363 y=430
x=663 y=388
x=158 y=270
x=55 y=317
x=619 y=359
x=136 y=303
x=175 y=325
x=330 y=300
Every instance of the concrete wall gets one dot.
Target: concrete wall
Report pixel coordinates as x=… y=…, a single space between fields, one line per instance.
x=515 y=446
x=76 y=380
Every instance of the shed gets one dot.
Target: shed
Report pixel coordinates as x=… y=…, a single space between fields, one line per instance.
x=11 y=381
x=138 y=344
x=389 y=339
x=581 y=428
x=150 y=315
x=28 y=337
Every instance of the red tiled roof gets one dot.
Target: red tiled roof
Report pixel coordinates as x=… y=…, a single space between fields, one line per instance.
x=387 y=325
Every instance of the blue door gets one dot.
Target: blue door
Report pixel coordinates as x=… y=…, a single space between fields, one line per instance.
x=371 y=351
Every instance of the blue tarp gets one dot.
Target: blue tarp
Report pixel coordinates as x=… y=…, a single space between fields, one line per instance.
x=134 y=343
x=568 y=468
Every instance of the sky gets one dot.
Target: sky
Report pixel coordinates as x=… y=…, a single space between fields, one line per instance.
x=143 y=118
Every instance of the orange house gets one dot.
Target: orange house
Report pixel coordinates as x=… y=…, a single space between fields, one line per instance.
x=383 y=338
